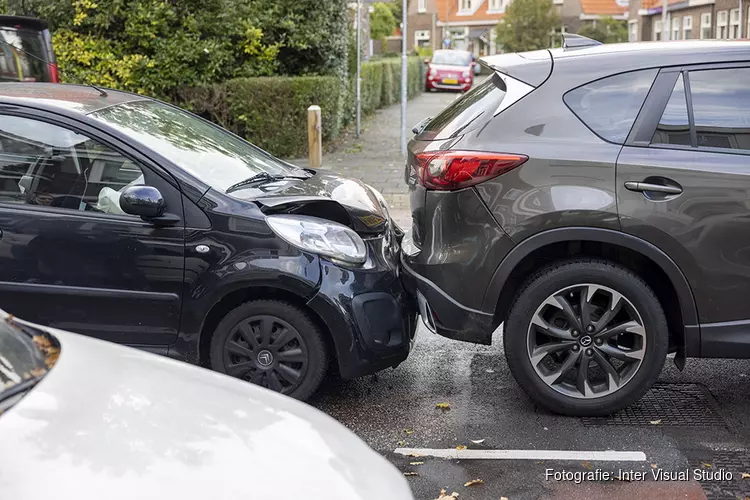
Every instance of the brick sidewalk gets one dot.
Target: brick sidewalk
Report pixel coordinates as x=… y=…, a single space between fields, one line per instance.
x=376 y=156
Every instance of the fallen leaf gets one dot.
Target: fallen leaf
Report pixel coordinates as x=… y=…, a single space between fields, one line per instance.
x=474 y=482
x=707 y=466
x=477 y=441
x=460 y=447
x=654 y=466
x=416 y=463
x=655 y=422
x=490 y=370
x=401 y=443
x=408 y=432
x=587 y=464
x=410 y=473
x=445 y=496
x=745 y=475
x=443 y=406
x=503 y=498
x=415 y=455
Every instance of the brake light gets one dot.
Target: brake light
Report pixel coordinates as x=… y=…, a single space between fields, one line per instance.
x=53 y=76
x=447 y=170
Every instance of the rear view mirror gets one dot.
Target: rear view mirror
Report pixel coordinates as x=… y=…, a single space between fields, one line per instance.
x=143 y=201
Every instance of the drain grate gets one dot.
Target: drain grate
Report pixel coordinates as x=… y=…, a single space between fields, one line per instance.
x=675 y=405
x=718 y=487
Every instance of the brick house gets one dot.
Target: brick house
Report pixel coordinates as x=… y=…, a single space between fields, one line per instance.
x=689 y=20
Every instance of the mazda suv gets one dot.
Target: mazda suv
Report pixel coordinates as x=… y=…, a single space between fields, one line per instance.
x=592 y=199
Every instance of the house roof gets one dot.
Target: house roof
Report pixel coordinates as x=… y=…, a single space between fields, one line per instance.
x=650 y=4
x=604 y=7
x=447 y=11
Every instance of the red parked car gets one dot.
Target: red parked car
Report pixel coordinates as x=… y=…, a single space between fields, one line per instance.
x=450 y=70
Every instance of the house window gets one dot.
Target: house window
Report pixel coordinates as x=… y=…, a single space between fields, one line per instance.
x=706 y=25
x=734 y=24
x=421 y=7
x=687 y=27
x=422 y=38
x=495 y=6
x=633 y=30
x=657 y=30
x=676 y=28
x=721 y=24
x=465 y=5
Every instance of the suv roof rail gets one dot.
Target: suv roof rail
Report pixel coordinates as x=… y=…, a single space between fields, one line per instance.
x=572 y=41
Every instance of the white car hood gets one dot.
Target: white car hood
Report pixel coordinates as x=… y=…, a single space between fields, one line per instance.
x=110 y=422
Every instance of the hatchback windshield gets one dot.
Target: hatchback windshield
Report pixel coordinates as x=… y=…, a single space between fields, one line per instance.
x=22 y=56
x=452 y=58
x=210 y=153
x=25 y=356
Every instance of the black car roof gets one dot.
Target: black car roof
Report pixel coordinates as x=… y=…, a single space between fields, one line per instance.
x=23 y=22
x=76 y=98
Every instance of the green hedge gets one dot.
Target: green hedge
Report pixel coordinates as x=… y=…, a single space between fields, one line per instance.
x=272 y=111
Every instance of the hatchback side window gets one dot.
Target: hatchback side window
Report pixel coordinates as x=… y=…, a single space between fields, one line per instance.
x=721 y=107
x=48 y=165
x=674 y=125
x=609 y=106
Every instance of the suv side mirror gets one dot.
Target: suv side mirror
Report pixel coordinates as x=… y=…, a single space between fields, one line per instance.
x=143 y=201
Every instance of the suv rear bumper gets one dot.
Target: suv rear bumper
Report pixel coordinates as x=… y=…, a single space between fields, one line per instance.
x=441 y=313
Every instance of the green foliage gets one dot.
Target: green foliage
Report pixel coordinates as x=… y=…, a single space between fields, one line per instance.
x=424 y=52
x=607 y=30
x=527 y=25
x=158 y=46
x=382 y=22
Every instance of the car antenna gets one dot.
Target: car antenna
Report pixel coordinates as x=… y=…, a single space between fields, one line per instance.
x=102 y=92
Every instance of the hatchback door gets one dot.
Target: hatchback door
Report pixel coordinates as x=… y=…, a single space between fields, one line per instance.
x=683 y=184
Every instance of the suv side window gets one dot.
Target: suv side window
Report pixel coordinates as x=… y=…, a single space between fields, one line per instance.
x=48 y=165
x=674 y=125
x=610 y=106
x=721 y=107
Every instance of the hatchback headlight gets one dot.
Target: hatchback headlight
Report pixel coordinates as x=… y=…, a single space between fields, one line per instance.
x=319 y=236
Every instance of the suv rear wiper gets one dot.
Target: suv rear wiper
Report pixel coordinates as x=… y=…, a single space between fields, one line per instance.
x=262 y=178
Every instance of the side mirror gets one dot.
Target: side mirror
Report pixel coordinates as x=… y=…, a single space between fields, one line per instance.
x=477 y=68
x=143 y=201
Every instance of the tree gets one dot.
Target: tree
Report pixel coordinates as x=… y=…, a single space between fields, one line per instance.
x=527 y=25
x=382 y=22
x=606 y=30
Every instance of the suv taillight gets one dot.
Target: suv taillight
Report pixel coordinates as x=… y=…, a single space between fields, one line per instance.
x=447 y=170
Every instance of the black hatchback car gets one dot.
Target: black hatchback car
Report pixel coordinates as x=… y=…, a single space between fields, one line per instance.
x=595 y=200
x=131 y=220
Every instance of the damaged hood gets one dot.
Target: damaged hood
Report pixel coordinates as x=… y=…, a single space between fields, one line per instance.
x=327 y=194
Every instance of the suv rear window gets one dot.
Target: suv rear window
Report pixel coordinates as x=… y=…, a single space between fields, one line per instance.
x=610 y=106
x=473 y=109
x=22 y=56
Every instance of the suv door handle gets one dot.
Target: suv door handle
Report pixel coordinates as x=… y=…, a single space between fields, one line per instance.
x=654 y=188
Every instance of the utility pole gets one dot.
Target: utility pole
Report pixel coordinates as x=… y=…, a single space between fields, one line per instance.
x=359 y=67
x=404 y=76
x=666 y=29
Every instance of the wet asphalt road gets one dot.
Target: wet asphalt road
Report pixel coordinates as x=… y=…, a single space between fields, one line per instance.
x=705 y=424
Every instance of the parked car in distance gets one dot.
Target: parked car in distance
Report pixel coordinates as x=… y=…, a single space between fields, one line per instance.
x=81 y=418
x=593 y=199
x=26 y=53
x=450 y=70
x=131 y=220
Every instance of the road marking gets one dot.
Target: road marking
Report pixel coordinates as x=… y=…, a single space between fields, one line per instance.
x=598 y=456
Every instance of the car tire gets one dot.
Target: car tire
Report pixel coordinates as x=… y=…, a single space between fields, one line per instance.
x=271 y=343
x=541 y=337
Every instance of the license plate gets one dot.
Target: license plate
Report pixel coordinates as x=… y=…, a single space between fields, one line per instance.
x=450 y=81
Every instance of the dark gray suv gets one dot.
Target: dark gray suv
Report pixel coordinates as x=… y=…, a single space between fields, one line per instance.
x=596 y=200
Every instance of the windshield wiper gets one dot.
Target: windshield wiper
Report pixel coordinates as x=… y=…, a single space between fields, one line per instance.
x=262 y=178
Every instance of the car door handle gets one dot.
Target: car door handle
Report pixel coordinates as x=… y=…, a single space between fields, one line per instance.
x=653 y=188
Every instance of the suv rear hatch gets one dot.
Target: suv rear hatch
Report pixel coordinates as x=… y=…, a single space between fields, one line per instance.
x=26 y=53
x=429 y=163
